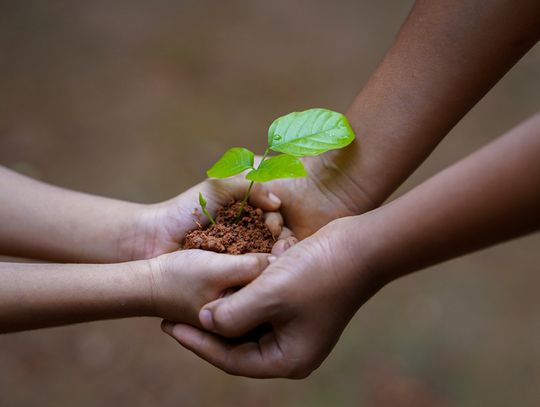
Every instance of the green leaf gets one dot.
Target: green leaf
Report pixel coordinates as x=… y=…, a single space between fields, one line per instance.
x=234 y=161
x=280 y=166
x=202 y=201
x=310 y=132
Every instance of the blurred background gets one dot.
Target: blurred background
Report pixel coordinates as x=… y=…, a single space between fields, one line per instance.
x=135 y=99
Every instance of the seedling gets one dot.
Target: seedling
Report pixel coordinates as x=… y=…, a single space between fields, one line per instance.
x=297 y=134
x=202 y=202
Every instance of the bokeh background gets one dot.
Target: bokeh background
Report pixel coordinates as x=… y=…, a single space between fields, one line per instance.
x=135 y=99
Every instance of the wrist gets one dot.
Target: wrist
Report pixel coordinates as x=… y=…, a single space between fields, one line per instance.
x=110 y=235
x=144 y=278
x=361 y=248
x=137 y=233
x=336 y=173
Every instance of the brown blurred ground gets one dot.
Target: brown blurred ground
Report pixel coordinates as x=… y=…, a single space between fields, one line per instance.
x=135 y=99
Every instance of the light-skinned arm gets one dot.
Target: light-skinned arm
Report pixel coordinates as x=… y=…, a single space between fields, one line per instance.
x=172 y=286
x=310 y=293
x=41 y=221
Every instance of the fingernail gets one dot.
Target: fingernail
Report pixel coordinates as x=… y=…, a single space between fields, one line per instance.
x=272 y=259
x=207 y=319
x=274 y=199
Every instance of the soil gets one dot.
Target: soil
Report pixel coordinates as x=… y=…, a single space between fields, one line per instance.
x=247 y=235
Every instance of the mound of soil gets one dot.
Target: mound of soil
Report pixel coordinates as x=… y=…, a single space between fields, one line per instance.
x=247 y=235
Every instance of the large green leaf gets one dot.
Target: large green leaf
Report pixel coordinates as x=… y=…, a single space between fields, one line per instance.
x=310 y=132
x=280 y=166
x=234 y=161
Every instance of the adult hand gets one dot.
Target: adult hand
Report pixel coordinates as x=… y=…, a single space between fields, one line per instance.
x=328 y=192
x=308 y=295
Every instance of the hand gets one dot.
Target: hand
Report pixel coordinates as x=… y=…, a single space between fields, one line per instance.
x=308 y=295
x=160 y=228
x=182 y=282
x=327 y=193
x=305 y=205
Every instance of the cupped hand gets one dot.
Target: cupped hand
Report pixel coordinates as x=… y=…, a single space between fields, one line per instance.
x=182 y=282
x=160 y=228
x=308 y=295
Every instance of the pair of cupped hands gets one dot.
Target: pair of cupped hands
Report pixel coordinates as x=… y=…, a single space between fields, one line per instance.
x=305 y=293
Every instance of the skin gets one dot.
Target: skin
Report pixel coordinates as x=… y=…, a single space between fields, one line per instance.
x=437 y=69
x=439 y=66
x=489 y=197
x=172 y=286
x=42 y=221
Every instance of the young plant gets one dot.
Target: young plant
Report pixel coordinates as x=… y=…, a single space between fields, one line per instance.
x=202 y=202
x=298 y=134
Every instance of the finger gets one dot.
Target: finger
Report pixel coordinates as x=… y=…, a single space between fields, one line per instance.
x=240 y=270
x=241 y=312
x=282 y=245
x=221 y=191
x=228 y=291
x=274 y=221
x=285 y=233
x=245 y=359
x=264 y=199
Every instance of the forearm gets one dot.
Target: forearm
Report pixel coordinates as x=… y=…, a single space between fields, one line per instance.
x=491 y=196
x=447 y=55
x=46 y=222
x=43 y=295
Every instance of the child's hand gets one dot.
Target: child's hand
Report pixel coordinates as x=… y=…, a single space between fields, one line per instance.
x=182 y=282
x=160 y=228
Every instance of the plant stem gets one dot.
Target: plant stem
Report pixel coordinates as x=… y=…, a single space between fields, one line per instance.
x=246 y=196
x=212 y=221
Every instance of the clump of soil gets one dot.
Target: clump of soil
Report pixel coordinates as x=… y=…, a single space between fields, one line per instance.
x=247 y=235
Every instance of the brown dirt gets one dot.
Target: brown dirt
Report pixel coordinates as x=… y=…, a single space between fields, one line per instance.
x=247 y=235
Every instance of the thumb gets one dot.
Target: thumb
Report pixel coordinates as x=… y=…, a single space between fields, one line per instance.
x=238 y=313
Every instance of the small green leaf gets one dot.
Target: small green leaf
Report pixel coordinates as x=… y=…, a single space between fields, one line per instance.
x=280 y=166
x=234 y=161
x=310 y=132
x=202 y=201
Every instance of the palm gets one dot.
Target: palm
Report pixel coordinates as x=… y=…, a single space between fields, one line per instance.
x=164 y=225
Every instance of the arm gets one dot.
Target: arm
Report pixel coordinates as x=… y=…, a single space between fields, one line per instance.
x=489 y=197
x=47 y=222
x=42 y=221
x=446 y=57
x=42 y=295
x=172 y=286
